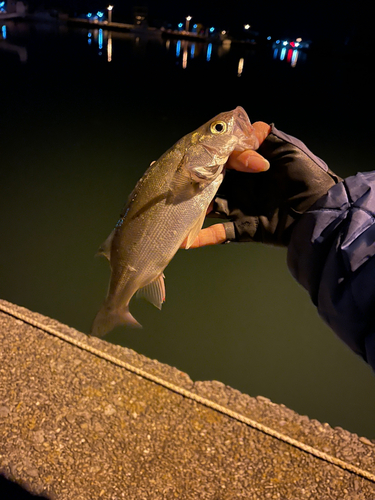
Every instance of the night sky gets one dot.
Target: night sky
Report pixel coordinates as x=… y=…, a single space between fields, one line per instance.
x=342 y=20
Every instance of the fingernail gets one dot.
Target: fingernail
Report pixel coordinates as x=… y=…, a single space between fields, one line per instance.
x=258 y=164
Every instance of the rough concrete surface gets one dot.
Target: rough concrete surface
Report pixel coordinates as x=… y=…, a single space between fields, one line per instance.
x=76 y=426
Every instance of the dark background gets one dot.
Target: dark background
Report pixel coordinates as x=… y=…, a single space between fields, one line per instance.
x=76 y=132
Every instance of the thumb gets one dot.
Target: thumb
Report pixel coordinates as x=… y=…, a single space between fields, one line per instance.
x=212 y=235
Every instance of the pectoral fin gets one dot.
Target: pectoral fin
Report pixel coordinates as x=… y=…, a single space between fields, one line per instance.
x=181 y=188
x=205 y=174
x=105 y=248
x=154 y=292
x=195 y=230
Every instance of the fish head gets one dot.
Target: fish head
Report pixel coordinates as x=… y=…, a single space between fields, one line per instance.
x=211 y=144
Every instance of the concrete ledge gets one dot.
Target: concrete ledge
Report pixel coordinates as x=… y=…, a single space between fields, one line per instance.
x=75 y=425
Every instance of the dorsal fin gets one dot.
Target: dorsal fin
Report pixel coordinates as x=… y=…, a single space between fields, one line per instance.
x=105 y=248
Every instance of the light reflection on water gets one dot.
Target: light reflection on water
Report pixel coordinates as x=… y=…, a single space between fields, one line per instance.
x=185 y=49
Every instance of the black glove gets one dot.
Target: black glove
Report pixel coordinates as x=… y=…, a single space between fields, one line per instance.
x=264 y=206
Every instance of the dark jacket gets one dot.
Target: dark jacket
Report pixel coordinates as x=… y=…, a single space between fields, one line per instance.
x=332 y=254
x=327 y=224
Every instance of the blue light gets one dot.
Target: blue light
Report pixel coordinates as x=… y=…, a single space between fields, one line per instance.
x=178 y=48
x=275 y=52
x=100 y=39
x=195 y=26
x=192 y=50
x=4 y=31
x=180 y=25
x=268 y=38
x=2 y=5
x=277 y=41
x=100 y=14
x=209 y=52
x=282 y=55
x=212 y=30
x=89 y=15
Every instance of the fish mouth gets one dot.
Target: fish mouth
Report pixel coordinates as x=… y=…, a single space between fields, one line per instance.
x=244 y=131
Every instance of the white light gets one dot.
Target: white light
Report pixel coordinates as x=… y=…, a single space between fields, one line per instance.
x=247 y=26
x=110 y=7
x=188 y=18
x=285 y=43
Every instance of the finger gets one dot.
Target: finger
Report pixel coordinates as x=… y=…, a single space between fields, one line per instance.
x=213 y=235
x=247 y=161
x=251 y=161
x=262 y=130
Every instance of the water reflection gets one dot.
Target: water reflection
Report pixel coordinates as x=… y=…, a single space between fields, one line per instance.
x=240 y=66
x=289 y=55
x=209 y=52
x=290 y=51
x=185 y=49
x=109 y=47
x=10 y=47
x=100 y=39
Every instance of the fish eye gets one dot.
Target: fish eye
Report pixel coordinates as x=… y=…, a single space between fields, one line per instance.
x=218 y=127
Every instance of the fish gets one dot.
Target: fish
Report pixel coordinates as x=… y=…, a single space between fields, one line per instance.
x=167 y=206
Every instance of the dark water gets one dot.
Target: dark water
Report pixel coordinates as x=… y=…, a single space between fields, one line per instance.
x=77 y=131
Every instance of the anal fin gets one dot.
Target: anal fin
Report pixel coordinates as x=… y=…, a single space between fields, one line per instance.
x=154 y=292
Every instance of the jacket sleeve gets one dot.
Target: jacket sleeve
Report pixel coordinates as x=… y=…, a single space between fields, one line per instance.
x=332 y=254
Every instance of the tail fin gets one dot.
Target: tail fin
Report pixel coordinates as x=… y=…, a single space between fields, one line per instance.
x=107 y=319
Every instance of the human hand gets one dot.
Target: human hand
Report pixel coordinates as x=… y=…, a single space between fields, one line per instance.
x=264 y=207
x=243 y=161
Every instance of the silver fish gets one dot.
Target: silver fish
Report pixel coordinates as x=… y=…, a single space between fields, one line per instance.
x=167 y=205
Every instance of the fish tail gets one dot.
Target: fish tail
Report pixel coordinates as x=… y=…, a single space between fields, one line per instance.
x=107 y=319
